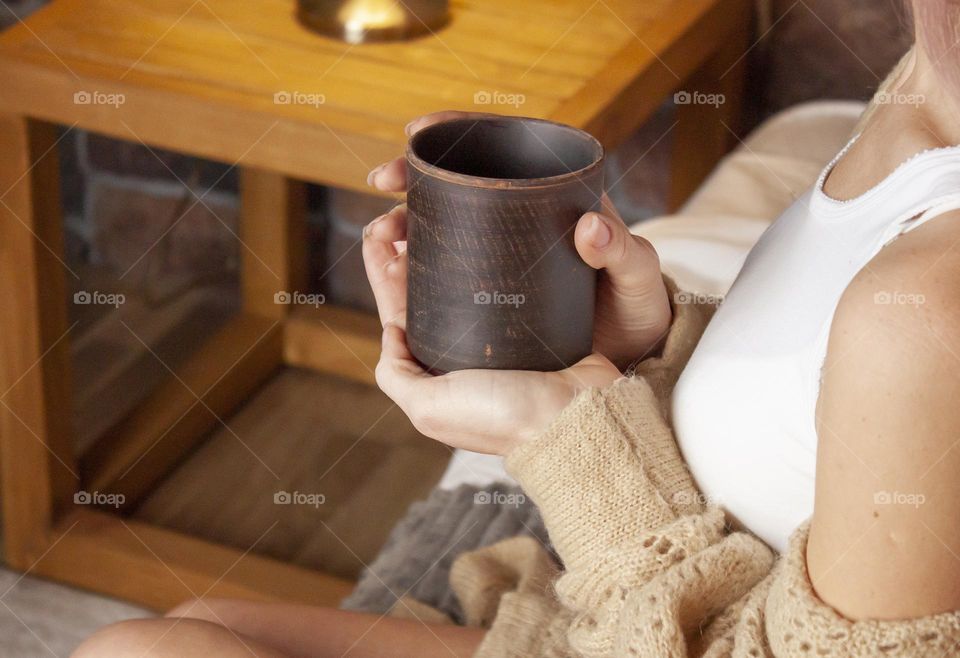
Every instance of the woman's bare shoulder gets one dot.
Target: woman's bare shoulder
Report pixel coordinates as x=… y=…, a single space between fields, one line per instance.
x=884 y=540
x=914 y=277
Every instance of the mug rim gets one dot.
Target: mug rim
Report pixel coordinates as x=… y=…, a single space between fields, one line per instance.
x=486 y=181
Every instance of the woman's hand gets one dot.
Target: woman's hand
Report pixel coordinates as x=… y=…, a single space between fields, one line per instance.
x=633 y=309
x=489 y=411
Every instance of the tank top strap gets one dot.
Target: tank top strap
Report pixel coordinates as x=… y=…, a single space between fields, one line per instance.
x=933 y=181
x=939 y=208
x=918 y=217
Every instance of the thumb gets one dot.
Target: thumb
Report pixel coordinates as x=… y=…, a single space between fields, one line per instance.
x=606 y=243
x=593 y=371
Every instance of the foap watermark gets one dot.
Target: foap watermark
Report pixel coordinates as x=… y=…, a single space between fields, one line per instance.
x=898 y=498
x=97 y=298
x=686 y=297
x=893 y=98
x=498 y=498
x=698 y=98
x=484 y=97
x=693 y=497
x=314 y=500
x=98 y=98
x=314 y=299
x=99 y=498
x=498 y=298
x=898 y=298
x=299 y=98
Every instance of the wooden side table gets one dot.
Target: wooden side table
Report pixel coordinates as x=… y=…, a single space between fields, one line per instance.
x=244 y=84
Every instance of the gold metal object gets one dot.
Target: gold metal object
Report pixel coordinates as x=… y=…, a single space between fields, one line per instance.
x=359 y=21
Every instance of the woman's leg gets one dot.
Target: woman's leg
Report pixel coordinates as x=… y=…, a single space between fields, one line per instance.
x=227 y=629
x=171 y=638
x=311 y=631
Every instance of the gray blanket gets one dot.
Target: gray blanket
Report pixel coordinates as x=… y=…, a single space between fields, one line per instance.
x=417 y=557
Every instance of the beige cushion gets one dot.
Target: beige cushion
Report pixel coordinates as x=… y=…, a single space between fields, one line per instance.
x=704 y=245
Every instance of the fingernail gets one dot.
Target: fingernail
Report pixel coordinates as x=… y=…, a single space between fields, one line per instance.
x=600 y=231
x=368 y=229
x=372 y=176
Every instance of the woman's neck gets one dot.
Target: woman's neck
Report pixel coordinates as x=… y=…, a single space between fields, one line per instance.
x=914 y=112
x=939 y=113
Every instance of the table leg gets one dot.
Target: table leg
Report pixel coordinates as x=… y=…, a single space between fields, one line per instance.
x=274 y=251
x=709 y=119
x=327 y=339
x=38 y=471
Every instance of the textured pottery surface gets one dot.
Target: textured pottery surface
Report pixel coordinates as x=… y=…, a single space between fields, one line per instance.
x=494 y=278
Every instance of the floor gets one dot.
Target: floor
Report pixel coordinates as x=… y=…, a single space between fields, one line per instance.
x=42 y=619
x=348 y=459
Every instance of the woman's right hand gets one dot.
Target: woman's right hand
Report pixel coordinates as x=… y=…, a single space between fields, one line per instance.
x=632 y=310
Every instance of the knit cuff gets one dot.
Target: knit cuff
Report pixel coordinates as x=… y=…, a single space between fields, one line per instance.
x=605 y=472
x=527 y=626
x=799 y=623
x=480 y=578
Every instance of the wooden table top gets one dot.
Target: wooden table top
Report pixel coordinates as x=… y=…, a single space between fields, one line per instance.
x=245 y=82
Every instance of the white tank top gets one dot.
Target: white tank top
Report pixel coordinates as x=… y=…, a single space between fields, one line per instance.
x=744 y=407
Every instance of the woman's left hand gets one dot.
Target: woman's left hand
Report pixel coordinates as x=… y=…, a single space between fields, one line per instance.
x=489 y=411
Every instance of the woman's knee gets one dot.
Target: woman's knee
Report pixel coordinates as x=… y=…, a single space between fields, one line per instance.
x=193 y=608
x=225 y=612
x=124 y=638
x=135 y=638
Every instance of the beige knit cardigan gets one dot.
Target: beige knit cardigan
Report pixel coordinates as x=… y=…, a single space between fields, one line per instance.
x=649 y=569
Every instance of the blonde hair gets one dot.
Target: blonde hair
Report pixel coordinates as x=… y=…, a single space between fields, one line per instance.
x=938 y=30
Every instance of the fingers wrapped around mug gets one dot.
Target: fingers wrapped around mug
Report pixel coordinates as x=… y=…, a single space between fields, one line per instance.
x=385 y=261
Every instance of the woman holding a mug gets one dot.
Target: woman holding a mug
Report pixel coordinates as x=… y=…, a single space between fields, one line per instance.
x=777 y=478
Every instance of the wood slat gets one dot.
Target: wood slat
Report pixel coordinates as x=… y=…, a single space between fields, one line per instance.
x=467 y=18
x=252 y=135
x=567 y=10
x=159 y=568
x=541 y=32
x=333 y=340
x=36 y=456
x=141 y=449
x=273 y=225
x=275 y=38
x=370 y=87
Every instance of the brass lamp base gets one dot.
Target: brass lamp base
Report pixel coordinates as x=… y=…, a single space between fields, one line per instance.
x=360 y=21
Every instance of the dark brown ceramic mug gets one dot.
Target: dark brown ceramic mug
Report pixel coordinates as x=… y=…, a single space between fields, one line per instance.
x=494 y=278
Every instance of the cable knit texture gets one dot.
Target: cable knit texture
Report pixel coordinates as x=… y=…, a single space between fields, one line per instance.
x=649 y=570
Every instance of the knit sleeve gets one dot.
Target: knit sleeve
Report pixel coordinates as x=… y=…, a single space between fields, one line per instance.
x=625 y=517
x=798 y=623
x=615 y=447
x=639 y=548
